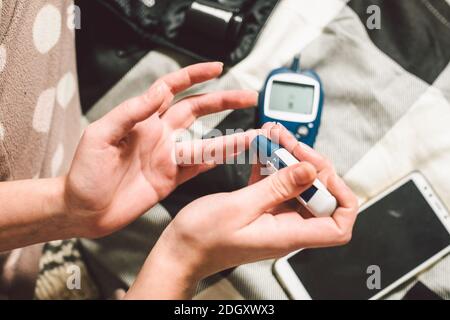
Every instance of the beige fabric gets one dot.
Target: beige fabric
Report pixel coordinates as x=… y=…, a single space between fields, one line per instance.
x=39 y=109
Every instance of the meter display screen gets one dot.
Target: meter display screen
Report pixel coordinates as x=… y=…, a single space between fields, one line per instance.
x=292 y=97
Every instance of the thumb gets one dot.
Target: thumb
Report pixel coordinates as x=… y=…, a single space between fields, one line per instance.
x=279 y=187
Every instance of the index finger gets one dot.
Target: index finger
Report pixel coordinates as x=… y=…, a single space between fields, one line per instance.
x=118 y=122
x=279 y=134
x=185 y=78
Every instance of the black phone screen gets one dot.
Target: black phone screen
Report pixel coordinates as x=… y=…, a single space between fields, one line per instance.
x=390 y=238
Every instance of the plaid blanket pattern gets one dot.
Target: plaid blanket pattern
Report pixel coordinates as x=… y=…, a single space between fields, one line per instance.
x=387 y=97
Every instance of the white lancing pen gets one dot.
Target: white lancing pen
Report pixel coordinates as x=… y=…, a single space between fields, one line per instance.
x=317 y=199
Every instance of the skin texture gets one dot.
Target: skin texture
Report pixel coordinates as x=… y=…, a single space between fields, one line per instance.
x=258 y=222
x=123 y=165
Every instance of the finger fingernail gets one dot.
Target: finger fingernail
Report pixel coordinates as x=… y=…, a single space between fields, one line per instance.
x=304 y=174
x=267 y=126
x=281 y=125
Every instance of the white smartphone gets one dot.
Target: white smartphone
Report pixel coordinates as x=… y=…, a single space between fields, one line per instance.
x=398 y=234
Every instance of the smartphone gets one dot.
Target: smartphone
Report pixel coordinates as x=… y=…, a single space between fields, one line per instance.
x=398 y=234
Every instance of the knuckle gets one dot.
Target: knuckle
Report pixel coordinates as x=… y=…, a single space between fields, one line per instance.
x=195 y=107
x=347 y=237
x=186 y=75
x=147 y=98
x=309 y=172
x=354 y=201
x=328 y=164
x=159 y=85
x=279 y=187
x=297 y=149
x=344 y=236
x=125 y=109
x=242 y=100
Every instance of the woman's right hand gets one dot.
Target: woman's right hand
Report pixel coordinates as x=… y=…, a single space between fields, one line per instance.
x=224 y=230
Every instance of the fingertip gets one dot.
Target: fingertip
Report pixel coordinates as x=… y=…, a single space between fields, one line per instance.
x=253 y=96
x=268 y=126
x=205 y=71
x=281 y=126
x=219 y=66
x=156 y=94
x=305 y=173
x=245 y=98
x=343 y=193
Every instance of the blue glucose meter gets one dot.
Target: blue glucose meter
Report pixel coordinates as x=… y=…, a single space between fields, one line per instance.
x=294 y=98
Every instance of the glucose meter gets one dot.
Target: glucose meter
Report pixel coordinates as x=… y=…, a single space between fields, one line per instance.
x=317 y=199
x=294 y=98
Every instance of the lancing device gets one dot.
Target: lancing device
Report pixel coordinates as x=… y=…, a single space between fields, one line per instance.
x=317 y=199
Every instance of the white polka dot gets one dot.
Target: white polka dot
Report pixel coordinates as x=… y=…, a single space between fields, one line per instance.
x=2 y=58
x=2 y=132
x=47 y=28
x=57 y=160
x=66 y=89
x=44 y=111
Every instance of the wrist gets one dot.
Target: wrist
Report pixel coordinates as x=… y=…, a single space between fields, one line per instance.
x=55 y=205
x=79 y=222
x=54 y=200
x=36 y=213
x=166 y=274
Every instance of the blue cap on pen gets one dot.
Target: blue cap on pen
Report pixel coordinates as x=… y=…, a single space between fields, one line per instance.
x=263 y=148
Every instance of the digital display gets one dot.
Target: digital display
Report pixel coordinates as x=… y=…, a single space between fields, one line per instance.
x=396 y=234
x=292 y=97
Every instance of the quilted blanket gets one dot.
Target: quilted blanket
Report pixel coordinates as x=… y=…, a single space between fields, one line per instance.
x=386 y=114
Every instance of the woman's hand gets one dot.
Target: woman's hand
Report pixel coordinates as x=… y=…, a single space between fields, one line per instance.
x=124 y=164
x=258 y=222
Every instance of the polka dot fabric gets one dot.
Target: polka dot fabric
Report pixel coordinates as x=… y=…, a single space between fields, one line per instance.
x=39 y=115
x=47 y=28
x=39 y=103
